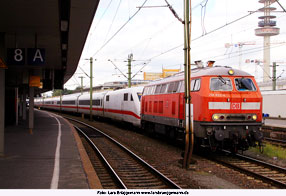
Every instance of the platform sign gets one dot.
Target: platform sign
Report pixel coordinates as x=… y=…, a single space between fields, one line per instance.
x=36 y=56
x=35 y=81
x=16 y=56
x=2 y=64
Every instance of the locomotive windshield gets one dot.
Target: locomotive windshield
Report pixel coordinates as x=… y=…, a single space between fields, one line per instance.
x=244 y=84
x=220 y=84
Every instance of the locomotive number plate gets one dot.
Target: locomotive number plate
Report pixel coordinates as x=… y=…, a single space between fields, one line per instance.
x=235 y=106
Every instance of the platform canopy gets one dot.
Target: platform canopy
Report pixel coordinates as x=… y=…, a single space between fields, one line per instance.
x=43 y=38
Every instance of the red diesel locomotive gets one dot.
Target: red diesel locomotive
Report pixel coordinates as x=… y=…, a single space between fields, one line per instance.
x=226 y=107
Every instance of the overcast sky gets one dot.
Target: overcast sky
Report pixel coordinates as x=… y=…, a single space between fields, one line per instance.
x=155 y=37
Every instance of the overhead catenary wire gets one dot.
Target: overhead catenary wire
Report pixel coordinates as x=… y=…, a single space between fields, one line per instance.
x=281 y=5
x=212 y=31
x=169 y=50
x=203 y=15
x=112 y=20
x=96 y=25
x=119 y=29
x=162 y=53
x=253 y=50
x=174 y=12
x=149 y=38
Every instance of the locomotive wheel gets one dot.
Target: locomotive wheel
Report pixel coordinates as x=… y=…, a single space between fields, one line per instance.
x=212 y=144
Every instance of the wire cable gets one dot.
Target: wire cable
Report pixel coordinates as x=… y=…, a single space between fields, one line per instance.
x=214 y=30
x=112 y=21
x=119 y=29
x=281 y=5
x=174 y=12
x=203 y=15
x=99 y=21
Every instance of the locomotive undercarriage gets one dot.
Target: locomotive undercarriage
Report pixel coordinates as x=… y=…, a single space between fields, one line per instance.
x=231 y=136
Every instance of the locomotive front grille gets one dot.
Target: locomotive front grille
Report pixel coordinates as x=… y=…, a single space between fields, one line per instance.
x=236 y=118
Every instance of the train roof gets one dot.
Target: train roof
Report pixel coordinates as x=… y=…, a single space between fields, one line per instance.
x=206 y=71
x=124 y=90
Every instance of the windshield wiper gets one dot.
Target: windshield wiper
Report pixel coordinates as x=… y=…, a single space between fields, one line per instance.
x=222 y=79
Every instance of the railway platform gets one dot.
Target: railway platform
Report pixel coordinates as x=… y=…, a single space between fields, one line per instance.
x=275 y=122
x=50 y=157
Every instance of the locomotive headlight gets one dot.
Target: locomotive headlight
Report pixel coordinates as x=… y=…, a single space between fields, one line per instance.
x=254 y=117
x=230 y=72
x=215 y=117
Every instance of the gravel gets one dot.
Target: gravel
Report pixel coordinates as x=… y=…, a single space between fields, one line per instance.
x=166 y=157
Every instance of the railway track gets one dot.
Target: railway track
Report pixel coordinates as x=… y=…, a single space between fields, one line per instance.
x=268 y=173
x=116 y=166
x=276 y=142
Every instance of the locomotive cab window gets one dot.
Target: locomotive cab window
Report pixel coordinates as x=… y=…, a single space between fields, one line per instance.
x=195 y=85
x=244 y=84
x=220 y=84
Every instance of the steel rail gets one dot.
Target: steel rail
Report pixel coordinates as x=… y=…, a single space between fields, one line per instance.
x=256 y=175
x=275 y=140
x=165 y=179
x=262 y=163
x=111 y=170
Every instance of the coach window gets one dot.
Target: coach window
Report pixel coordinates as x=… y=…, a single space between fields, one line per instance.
x=68 y=102
x=131 y=98
x=84 y=102
x=107 y=98
x=96 y=102
x=125 y=98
